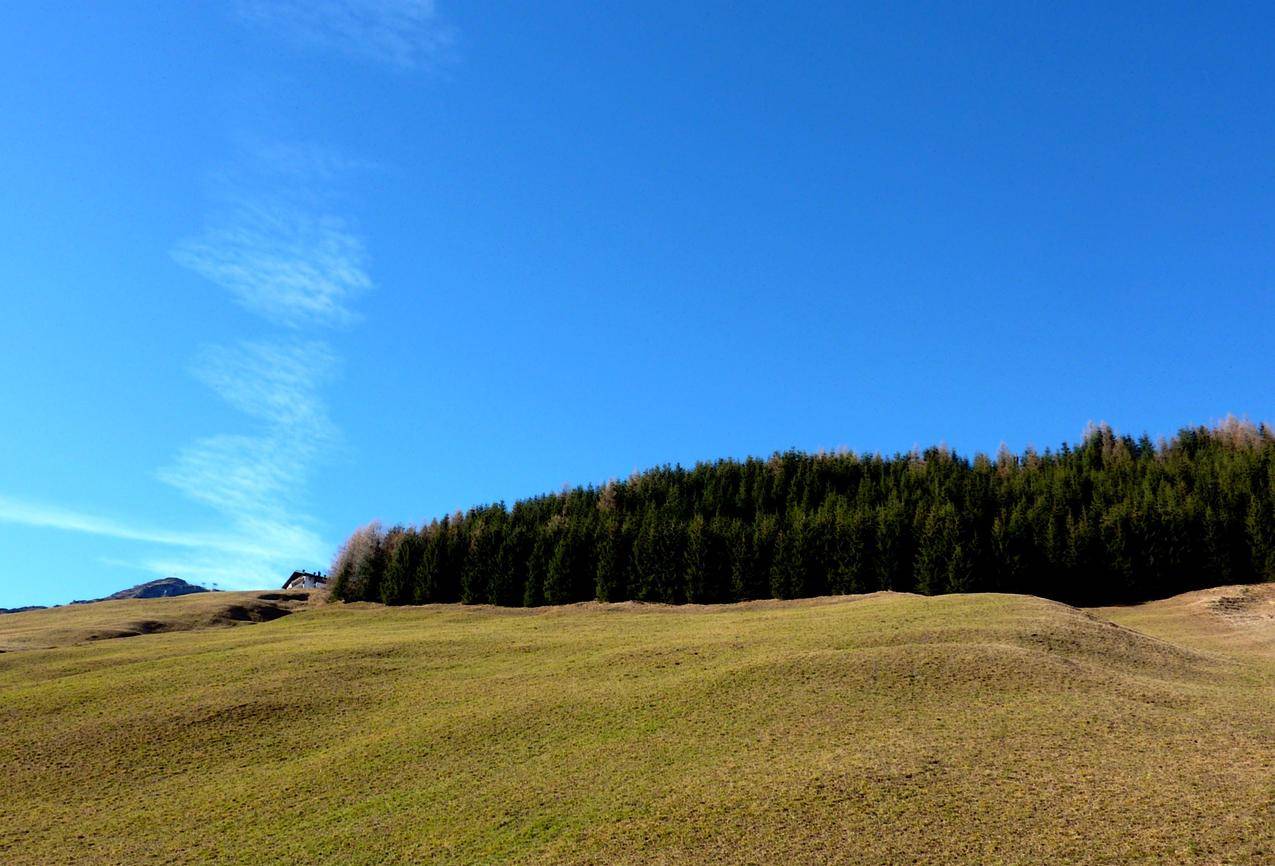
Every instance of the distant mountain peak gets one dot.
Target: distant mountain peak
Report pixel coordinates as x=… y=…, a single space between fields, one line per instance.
x=164 y=587
x=161 y=588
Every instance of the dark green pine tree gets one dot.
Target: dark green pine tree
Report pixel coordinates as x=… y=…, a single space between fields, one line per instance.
x=1261 y=539
x=698 y=563
x=892 y=561
x=790 y=569
x=508 y=577
x=370 y=570
x=936 y=549
x=558 y=575
x=743 y=562
x=612 y=557
x=404 y=552
x=658 y=563
x=429 y=567
x=542 y=552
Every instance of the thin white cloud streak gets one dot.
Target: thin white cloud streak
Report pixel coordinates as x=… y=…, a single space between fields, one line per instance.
x=297 y=166
x=289 y=265
x=278 y=547
x=406 y=34
x=276 y=382
x=281 y=254
x=278 y=250
x=43 y=516
x=257 y=482
x=240 y=475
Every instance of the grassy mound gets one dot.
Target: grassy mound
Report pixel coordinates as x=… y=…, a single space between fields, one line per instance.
x=871 y=729
x=101 y=620
x=1226 y=619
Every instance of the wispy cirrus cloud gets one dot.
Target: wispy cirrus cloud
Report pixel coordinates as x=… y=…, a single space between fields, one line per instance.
x=292 y=166
x=406 y=34
x=294 y=267
x=276 y=381
x=257 y=479
x=256 y=483
x=278 y=246
x=278 y=250
x=41 y=515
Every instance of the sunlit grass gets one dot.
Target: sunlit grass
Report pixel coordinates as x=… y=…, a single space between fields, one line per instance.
x=877 y=729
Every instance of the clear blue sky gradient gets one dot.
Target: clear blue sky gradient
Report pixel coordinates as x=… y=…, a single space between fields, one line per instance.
x=563 y=241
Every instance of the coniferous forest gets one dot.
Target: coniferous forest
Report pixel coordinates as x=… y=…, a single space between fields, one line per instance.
x=1113 y=519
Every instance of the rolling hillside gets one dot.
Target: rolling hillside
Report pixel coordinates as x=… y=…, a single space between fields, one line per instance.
x=44 y=628
x=882 y=728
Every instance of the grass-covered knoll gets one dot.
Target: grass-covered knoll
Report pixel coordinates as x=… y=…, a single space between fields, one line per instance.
x=100 y=620
x=1233 y=620
x=877 y=729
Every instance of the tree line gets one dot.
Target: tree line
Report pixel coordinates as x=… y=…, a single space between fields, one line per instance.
x=1113 y=519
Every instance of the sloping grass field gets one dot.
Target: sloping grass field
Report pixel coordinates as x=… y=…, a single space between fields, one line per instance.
x=887 y=728
x=81 y=623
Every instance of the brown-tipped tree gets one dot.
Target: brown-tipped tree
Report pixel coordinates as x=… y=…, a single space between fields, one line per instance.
x=359 y=564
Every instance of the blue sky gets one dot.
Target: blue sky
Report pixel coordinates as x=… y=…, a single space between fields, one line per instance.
x=272 y=269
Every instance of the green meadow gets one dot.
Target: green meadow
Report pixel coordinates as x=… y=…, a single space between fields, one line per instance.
x=885 y=728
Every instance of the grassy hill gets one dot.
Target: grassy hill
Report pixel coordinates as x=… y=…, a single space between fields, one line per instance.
x=883 y=728
x=100 y=620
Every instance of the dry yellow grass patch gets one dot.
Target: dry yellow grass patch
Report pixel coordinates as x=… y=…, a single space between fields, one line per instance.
x=1235 y=620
